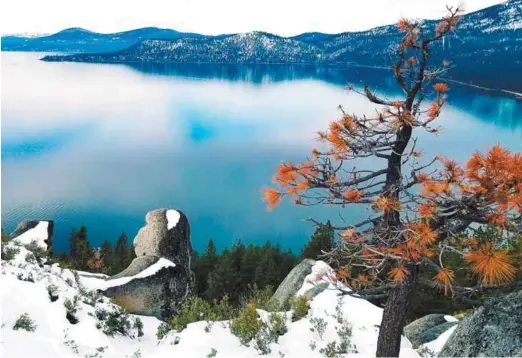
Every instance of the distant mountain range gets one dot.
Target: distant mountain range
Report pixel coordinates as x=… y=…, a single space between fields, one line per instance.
x=78 y=40
x=486 y=50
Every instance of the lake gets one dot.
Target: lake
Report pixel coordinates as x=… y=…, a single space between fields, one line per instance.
x=101 y=145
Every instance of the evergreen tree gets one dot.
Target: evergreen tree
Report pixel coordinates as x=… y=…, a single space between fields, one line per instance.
x=107 y=253
x=121 y=253
x=73 y=243
x=223 y=279
x=322 y=240
x=203 y=266
x=83 y=250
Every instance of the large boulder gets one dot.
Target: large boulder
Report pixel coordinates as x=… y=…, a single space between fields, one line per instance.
x=291 y=284
x=434 y=333
x=159 y=279
x=415 y=329
x=493 y=330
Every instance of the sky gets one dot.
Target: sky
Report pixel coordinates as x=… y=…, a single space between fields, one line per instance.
x=212 y=17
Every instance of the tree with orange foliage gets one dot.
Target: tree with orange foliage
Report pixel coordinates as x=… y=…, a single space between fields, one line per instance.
x=417 y=212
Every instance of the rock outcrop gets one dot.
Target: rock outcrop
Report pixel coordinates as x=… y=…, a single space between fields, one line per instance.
x=159 y=279
x=26 y=225
x=292 y=283
x=493 y=330
x=415 y=329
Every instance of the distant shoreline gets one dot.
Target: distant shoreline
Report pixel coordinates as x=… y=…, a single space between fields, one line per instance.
x=504 y=92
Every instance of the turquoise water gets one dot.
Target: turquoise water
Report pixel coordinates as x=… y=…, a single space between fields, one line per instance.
x=100 y=145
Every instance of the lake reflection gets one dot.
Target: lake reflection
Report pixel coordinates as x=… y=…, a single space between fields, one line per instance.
x=100 y=145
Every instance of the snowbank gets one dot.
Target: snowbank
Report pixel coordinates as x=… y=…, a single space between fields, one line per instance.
x=54 y=331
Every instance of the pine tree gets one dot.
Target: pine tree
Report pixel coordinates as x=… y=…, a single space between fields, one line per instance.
x=83 y=250
x=223 y=279
x=121 y=253
x=203 y=266
x=73 y=243
x=322 y=241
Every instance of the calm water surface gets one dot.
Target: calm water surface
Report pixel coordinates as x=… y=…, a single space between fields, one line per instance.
x=100 y=145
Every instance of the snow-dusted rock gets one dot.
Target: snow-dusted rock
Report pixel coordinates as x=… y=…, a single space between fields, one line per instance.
x=415 y=329
x=40 y=231
x=493 y=330
x=166 y=234
x=159 y=279
x=291 y=284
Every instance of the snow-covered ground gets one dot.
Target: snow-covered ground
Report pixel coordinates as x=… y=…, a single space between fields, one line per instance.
x=56 y=337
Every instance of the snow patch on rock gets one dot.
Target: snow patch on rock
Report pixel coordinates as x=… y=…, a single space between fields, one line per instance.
x=172 y=218
x=38 y=234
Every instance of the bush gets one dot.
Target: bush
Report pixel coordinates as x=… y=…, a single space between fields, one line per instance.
x=138 y=325
x=212 y=353
x=38 y=251
x=9 y=252
x=318 y=326
x=117 y=321
x=30 y=258
x=247 y=325
x=52 y=290
x=195 y=309
x=71 y=309
x=262 y=341
x=300 y=307
x=163 y=330
x=25 y=322
x=277 y=326
x=258 y=297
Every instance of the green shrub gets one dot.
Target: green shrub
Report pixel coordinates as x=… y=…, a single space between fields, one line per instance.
x=5 y=238
x=163 y=330
x=318 y=326
x=247 y=325
x=30 y=258
x=300 y=307
x=277 y=326
x=259 y=298
x=71 y=309
x=9 y=252
x=25 y=323
x=195 y=309
x=138 y=325
x=262 y=341
x=212 y=353
x=52 y=290
x=38 y=251
x=117 y=321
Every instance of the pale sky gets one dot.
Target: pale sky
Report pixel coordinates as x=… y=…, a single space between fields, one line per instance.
x=283 y=17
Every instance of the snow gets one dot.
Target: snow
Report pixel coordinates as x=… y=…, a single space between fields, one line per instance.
x=437 y=345
x=449 y=318
x=99 y=282
x=49 y=339
x=173 y=217
x=38 y=234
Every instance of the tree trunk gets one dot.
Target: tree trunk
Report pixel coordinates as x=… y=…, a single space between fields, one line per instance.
x=394 y=316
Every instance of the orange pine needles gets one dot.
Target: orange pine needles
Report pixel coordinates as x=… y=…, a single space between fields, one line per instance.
x=494 y=266
x=273 y=197
x=353 y=195
x=398 y=274
x=427 y=211
x=385 y=203
x=403 y=25
x=440 y=87
x=445 y=277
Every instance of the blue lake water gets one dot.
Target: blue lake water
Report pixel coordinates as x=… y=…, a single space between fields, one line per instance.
x=100 y=145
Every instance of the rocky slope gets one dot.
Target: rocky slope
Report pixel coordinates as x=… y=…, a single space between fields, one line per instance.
x=49 y=311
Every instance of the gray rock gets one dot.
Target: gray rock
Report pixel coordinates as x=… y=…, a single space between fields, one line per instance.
x=414 y=330
x=317 y=289
x=160 y=294
x=155 y=239
x=290 y=285
x=493 y=330
x=136 y=266
x=434 y=333
x=26 y=225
